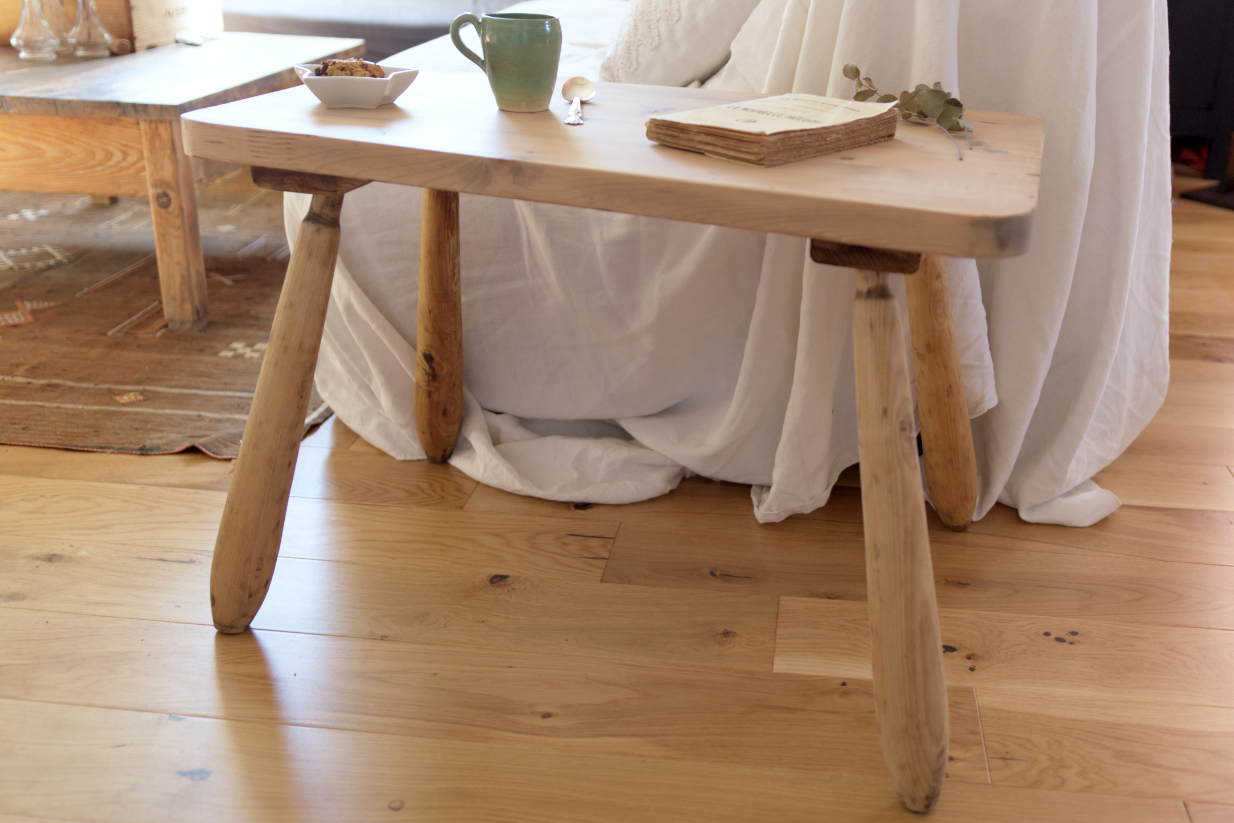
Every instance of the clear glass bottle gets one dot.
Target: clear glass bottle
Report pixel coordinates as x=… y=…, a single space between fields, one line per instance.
x=88 y=36
x=53 y=15
x=33 y=39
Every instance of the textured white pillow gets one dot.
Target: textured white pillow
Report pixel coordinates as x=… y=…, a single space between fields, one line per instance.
x=673 y=42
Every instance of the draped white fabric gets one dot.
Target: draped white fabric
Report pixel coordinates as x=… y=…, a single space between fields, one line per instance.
x=606 y=355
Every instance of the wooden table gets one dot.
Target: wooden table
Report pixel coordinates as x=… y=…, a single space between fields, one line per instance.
x=889 y=208
x=111 y=127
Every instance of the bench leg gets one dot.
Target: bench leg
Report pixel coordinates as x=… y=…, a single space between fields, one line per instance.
x=248 y=540
x=909 y=690
x=439 y=328
x=177 y=237
x=946 y=436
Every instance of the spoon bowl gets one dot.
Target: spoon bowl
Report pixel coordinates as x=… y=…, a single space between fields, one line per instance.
x=578 y=90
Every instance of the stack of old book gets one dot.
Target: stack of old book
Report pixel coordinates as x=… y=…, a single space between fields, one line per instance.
x=773 y=130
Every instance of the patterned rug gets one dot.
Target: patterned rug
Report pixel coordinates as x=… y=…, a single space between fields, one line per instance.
x=86 y=359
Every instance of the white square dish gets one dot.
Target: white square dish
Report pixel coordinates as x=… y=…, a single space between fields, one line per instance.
x=357 y=92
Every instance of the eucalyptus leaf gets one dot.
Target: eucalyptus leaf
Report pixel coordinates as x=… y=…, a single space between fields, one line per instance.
x=931 y=102
x=949 y=118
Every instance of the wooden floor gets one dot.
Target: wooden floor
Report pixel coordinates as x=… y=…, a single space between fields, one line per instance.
x=435 y=650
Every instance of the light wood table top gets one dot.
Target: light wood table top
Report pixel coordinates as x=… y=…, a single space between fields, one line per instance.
x=445 y=132
x=164 y=82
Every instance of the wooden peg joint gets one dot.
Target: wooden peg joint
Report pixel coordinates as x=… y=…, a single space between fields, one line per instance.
x=304 y=182
x=864 y=257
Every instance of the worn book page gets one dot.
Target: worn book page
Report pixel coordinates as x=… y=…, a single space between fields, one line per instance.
x=786 y=112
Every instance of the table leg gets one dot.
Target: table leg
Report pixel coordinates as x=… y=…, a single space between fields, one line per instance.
x=909 y=691
x=439 y=328
x=177 y=237
x=946 y=436
x=248 y=540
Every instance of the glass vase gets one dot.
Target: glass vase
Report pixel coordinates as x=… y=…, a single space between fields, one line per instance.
x=88 y=36
x=53 y=15
x=34 y=39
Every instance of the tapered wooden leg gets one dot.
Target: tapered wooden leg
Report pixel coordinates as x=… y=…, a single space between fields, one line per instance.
x=439 y=328
x=177 y=237
x=909 y=692
x=252 y=526
x=946 y=437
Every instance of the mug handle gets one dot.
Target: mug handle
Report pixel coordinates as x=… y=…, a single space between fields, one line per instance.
x=456 y=27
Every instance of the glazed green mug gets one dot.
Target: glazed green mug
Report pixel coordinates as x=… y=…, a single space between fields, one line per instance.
x=521 y=52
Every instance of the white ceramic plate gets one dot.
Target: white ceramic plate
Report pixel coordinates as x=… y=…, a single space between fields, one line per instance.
x=357 y=92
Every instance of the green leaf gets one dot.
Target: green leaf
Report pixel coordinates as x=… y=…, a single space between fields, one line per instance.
x=852 y=72
x=949 y=119
x=864 y=95
x=887 y=98
x=868 y=82
x=921 y=87
x=967 y=126
x=931 y=102
x=906 y=114
x=951 y=101
x=938 y=86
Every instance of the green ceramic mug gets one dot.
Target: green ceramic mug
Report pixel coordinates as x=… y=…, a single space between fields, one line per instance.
x=520 y=56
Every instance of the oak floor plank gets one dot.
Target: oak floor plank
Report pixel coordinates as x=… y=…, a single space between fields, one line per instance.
x=1181 y=535
x=1086 y=743
x=1204 y=445
x=1204 y=349
x=696 y=495
x=1201 y=311
x=1168 y=664
x=93 y=513
x=187 y=470
x=976 y=571
x=1201 y=393
x=1158 y=480
x=332 y=434
x=378 y=480
x=562 y=703
x=497 y=608
x=1210 y=812
x=134 y=767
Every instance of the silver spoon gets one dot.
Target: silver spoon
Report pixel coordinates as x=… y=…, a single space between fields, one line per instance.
x=578 y=90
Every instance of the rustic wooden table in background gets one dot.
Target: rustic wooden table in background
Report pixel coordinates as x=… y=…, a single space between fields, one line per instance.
x=112 y=127
x=889 y=208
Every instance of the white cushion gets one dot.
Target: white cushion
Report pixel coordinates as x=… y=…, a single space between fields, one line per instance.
x=673 y=42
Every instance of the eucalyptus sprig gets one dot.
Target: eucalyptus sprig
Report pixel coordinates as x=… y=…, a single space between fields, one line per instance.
x=931 y=104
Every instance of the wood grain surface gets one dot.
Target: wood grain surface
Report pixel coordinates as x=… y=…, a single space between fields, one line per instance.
x=910 y=694
x=947 y=440
x=119 y=703
x=445 y=133
x=72 y=155
x=248 y=540
x=177 y=235
x=439 y=328
x=161 y=83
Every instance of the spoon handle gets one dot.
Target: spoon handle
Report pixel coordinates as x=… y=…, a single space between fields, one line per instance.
x=575 y=117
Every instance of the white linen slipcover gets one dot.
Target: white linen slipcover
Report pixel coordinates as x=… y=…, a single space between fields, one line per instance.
x=605 y=355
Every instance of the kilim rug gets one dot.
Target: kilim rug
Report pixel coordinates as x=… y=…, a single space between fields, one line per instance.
x=86 y=359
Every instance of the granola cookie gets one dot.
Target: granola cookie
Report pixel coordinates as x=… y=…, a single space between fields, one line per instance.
x=351 y=67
